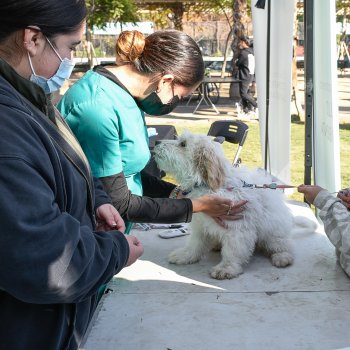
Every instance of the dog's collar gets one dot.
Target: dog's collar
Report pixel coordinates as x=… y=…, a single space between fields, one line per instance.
x=177 y=190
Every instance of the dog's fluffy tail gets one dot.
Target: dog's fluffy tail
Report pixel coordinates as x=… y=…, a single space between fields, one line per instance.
x=304 y=225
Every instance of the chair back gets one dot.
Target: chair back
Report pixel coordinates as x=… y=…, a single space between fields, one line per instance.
x=232 y=131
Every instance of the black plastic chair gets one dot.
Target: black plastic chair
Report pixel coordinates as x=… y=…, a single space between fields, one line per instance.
x=231 y=131
x=164 y=132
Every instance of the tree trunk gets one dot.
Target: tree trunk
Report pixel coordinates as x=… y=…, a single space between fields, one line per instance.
x=227 y=47
x=239 y=23
x=297 y=108
x=89 y=47
x=178 y=9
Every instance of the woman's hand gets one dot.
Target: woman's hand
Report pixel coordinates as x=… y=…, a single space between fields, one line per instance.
x=135 y=249
x=219 y=208
x=108 y=219
x=310 y=192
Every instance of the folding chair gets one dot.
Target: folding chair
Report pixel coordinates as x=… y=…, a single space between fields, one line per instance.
x=231 y=131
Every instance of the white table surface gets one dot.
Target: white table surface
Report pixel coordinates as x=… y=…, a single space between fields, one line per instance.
x=159 y=306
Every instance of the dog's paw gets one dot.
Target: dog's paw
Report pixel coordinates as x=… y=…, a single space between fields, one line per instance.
x=223 y=272
x=182 y=256
x=282 y=259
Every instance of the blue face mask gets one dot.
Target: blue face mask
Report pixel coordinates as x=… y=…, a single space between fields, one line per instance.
x=55 y=82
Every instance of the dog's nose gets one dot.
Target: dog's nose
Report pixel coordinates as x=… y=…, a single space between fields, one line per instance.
x=158 y=142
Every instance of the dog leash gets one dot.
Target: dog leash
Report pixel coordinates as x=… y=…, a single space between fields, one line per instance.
x=271 y=186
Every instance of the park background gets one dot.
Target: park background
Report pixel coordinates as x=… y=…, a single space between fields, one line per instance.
x=215 y=25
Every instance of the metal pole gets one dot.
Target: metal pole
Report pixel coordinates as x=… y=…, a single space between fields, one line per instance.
x=309 y=87
x=268 y=48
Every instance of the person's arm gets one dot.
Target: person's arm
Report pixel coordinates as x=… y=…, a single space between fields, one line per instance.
x=155 y=187
x=48 y=256
x=336 y=220
x=167 y=210
x=101 y=197
x=145 y=209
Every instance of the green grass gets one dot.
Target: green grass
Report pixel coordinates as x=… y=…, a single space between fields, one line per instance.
x=251 y=152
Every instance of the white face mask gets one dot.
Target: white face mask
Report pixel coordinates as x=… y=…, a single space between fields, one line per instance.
x=57 y=80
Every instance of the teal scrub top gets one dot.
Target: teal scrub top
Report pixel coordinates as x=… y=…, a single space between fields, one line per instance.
x=109 y=126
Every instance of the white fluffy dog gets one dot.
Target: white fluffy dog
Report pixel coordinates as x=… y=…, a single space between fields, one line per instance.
x=199 y=166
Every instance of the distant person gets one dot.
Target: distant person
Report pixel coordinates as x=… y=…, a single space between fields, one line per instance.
x=334 y=212
x=106 y=111
x=246 y=69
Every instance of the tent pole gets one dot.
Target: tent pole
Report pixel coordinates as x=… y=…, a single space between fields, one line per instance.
x=268 y=48
x=309 y=87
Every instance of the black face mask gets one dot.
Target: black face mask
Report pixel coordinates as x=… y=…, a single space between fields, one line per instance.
x=153 y=105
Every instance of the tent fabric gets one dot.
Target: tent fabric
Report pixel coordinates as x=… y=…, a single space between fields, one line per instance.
x=275 y=120
x=326 y=121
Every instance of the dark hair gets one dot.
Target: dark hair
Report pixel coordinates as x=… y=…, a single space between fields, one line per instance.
x=51 y=16
x=164 y=52
x=245 y=39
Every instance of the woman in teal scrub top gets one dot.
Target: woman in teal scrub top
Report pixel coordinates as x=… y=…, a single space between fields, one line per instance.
x=105 y=110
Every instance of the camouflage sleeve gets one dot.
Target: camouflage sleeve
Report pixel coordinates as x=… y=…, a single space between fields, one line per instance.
x=336 y=220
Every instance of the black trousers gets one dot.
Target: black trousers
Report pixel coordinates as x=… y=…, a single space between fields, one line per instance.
x=248 y=101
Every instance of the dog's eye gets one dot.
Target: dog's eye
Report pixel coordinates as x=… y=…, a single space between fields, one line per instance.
x=183 y=144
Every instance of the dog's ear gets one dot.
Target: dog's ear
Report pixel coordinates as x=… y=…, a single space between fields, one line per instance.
x=211 y=167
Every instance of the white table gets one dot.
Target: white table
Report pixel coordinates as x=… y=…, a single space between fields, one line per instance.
x=159 y=306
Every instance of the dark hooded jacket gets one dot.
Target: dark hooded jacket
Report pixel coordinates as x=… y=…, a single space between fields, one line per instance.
x=246 y=64
x=52 y=261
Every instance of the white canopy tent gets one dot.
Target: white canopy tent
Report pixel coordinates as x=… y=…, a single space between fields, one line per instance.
x=273 y=40
x=325 y=107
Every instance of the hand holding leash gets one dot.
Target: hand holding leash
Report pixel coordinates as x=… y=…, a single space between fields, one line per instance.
x=310 y=192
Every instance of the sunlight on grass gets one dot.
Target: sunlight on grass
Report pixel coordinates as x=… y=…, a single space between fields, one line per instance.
x=251 y=152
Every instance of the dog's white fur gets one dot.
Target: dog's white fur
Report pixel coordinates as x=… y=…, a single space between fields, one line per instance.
x=199 y=165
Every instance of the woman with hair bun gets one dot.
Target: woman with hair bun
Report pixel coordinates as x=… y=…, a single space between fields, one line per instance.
x=105 y=109
x=54 y=259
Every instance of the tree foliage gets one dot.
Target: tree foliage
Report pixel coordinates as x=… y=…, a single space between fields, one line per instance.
x=103 y=11
x=213 y=6
x=343 y=10
x=341 y=4
x=162 y=13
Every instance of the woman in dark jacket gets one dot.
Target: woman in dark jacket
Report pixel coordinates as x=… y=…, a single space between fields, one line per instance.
x=57 y=243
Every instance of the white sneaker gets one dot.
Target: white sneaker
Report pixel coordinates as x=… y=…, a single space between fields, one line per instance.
x=243 y=116
x=253 y=115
